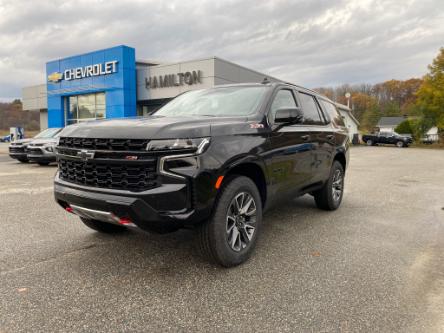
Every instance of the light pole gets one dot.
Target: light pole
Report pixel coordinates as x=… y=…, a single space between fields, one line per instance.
x=348 y=95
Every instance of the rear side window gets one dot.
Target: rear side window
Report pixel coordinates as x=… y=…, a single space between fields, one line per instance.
x=284 y=99
x=333 y=113
x=310 y=109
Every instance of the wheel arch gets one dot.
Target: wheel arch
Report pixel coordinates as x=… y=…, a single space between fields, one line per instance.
x=340 y=157
x=253 y=171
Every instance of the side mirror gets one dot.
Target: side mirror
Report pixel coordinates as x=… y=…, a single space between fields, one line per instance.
x=289 y=115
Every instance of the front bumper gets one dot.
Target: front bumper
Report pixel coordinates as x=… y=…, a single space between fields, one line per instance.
x=17 y=152
x=18 y=156
x=147 y=210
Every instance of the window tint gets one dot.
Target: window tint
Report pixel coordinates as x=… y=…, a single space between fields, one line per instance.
x=310 y=109
x=333 y=113
x=283 y=99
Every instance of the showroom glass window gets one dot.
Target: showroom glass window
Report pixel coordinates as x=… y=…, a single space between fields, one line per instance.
x=85 y=107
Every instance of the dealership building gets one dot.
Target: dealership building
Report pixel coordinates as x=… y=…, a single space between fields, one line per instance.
x=111 y=83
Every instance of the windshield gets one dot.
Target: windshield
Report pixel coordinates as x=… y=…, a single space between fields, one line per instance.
x=216 y=102
x=48 y=133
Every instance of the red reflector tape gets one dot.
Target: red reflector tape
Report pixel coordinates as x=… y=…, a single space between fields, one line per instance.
x=69 y=209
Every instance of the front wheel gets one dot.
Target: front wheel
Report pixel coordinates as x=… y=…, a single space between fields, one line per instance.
x=329 y=197
x=229 y=236
x=369 y=143
x=400 y=144
x=23 y=160
x=43 y=163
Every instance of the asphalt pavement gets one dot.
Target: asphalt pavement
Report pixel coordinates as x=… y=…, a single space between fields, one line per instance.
x=374 y=265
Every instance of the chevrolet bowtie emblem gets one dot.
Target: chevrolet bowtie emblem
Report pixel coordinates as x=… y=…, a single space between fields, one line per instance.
x=55 y=77
x=85 y=155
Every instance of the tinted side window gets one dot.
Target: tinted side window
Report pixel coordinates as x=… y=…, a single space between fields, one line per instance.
x=333 y=113
x=310 y=109
x=283 y=99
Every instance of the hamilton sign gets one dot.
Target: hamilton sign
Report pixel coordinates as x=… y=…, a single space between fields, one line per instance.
x=105 y=68
x=173 y=80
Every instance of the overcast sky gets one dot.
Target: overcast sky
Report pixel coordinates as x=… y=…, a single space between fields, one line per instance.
x=312 y=42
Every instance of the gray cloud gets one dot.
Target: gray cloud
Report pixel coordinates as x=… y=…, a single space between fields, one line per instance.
x=312 y=43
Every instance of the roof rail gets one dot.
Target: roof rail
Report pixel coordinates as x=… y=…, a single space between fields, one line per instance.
x=311 y=90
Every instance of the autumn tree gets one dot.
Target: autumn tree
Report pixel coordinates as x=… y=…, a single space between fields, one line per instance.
x=430 y=96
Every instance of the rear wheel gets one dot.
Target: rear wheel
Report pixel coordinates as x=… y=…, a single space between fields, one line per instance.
x=329 y=197
x=43 y=163
x=103 y=227
x=23 y=160
x=369 y=143
x=229 y=236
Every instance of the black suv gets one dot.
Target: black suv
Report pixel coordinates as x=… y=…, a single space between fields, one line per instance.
x=213 y=159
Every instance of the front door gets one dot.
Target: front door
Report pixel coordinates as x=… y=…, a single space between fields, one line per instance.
x=290 y=156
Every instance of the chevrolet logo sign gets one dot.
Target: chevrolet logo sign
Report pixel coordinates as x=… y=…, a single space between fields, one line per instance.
x=55 y=77
x=85 y=155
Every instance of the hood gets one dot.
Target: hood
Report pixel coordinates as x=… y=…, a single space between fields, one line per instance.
x=43 y=141
x=156 y=127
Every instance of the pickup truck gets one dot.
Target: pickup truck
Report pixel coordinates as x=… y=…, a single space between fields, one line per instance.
x=387 y=138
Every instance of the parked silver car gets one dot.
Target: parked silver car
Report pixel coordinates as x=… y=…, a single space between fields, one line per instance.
x=42 y=148
x=17 y=150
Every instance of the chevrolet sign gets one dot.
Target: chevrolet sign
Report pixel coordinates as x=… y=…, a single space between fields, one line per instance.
x=106 y=68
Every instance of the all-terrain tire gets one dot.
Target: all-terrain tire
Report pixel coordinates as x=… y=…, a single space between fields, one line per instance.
x=326 y=197
x=213 y=234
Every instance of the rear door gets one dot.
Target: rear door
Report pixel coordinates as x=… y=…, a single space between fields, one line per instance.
x=322 y=136
x=334 y=134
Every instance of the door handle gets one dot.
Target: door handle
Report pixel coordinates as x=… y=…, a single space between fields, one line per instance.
x=330 y=137
x=305 y=137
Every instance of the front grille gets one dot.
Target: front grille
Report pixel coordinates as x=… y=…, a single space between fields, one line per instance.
x=134 y=177
x=104 y=144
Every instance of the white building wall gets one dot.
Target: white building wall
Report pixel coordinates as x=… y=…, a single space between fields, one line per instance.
x=34 y=98
x=43 y=119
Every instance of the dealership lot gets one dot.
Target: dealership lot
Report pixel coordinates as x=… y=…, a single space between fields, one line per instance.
x=376 y=264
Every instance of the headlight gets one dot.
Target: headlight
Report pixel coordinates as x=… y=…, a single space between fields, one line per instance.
x=49 y=148
x=197 y=146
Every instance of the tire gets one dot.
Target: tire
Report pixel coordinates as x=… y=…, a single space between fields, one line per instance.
x=369 y=143
x=103 y=227
x=43 y=163
x=326 y=198
x=23 y=160
x=228 y=238
x=400 y=144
